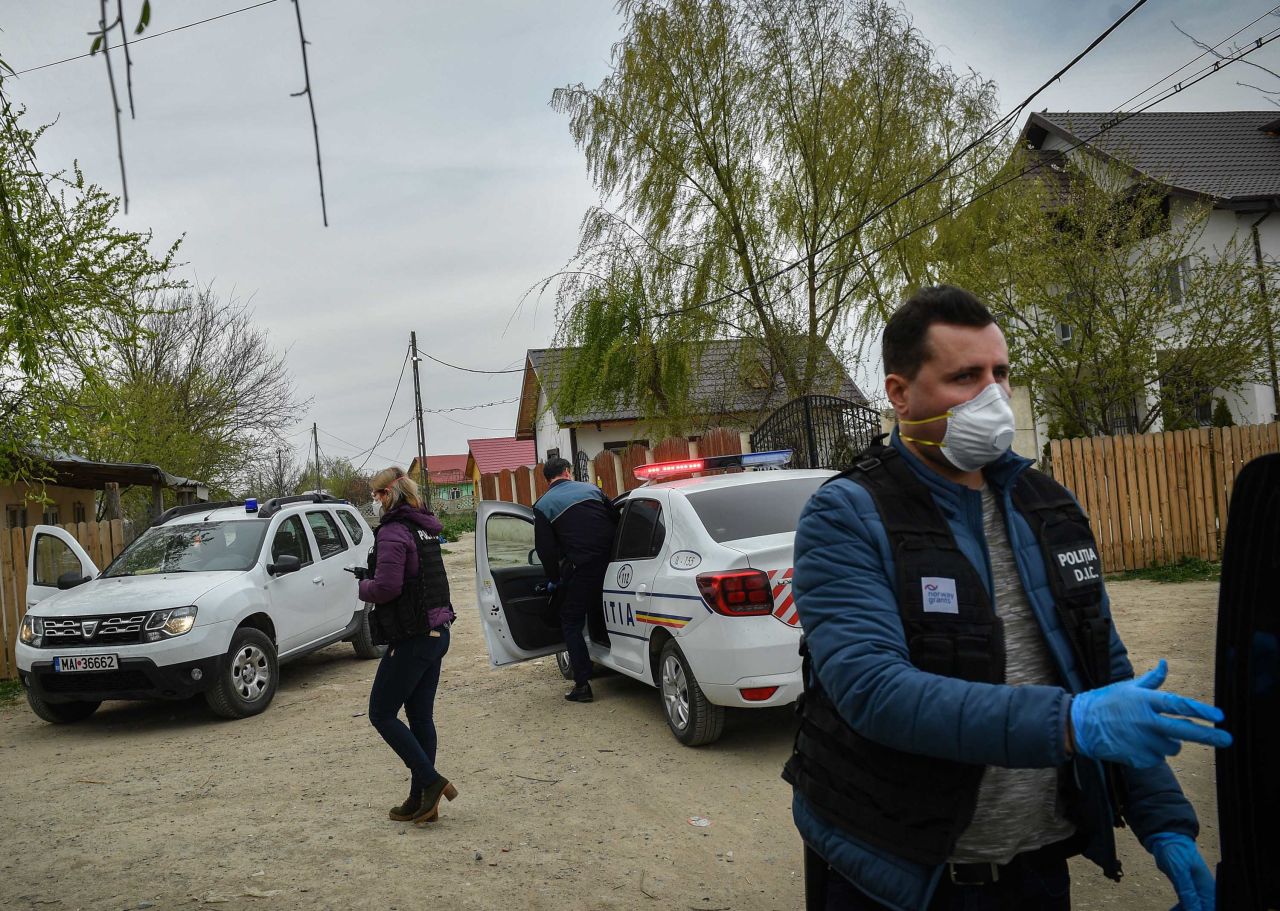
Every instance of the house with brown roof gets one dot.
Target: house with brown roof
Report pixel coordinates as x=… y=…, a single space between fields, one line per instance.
x=734 y=389
x=1227 y=159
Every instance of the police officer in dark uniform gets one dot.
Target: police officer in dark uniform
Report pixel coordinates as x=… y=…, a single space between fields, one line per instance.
x=573 y=534
x=971 y=718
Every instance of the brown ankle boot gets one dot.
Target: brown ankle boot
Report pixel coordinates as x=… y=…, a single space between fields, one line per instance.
x=429 y=809
x=407 y=811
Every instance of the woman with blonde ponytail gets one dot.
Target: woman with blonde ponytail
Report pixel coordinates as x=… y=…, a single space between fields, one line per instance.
x=407 y=585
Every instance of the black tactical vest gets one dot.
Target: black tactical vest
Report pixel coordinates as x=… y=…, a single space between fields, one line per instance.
x=407 y=615
x=912 y=805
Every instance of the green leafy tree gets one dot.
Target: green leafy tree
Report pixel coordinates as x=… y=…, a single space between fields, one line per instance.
x=337 y=477
x=732 y=137
x=1119 y=314
x=66 y=271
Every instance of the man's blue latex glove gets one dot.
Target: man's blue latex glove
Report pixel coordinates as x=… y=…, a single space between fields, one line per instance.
x=1128 y=722
x=551 y=587
x=1177 y=857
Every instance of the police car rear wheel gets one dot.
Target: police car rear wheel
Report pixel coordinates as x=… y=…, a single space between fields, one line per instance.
x=562 y=662
x=693 y=719
x=363 y=642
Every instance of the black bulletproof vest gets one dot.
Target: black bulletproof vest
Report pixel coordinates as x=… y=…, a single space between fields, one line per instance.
x=912 y=805
x=407 y=615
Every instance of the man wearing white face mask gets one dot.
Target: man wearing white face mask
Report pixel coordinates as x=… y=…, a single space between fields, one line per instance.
x=970 y=720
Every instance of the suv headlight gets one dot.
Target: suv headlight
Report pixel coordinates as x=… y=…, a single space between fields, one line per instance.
x=32 y=631
x=165 y=624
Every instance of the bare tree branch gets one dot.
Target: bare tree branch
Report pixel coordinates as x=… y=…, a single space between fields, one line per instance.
x=306 y=90
x=128 y=61
x=103 y=30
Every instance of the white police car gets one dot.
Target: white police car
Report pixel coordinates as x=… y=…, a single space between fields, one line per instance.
x=697 y=599
x=210 y=599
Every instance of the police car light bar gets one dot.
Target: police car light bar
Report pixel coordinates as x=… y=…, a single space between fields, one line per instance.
x=656 y=470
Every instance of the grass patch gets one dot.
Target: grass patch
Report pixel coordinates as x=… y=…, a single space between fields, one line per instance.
x=10 y=690
x=456 y=524
x=1188 y=569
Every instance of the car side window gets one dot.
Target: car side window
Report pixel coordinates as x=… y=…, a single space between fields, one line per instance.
x=642 y=533
x=352 y=525
x=508 y=541
x=291 y=540
x=328 y=539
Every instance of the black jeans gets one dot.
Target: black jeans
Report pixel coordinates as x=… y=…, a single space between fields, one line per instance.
x=582 y=594
x=408 y=676
x=1036 y=881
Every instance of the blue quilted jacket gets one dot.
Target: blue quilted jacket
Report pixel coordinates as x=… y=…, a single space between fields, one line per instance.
x=845 y=593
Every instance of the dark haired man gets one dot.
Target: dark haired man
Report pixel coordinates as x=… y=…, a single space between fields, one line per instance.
x=573 y=531
x=970 y=719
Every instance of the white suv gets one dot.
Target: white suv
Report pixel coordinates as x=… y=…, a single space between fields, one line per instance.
x=210 y=599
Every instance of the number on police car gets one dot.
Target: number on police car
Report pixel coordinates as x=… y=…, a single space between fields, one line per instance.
x=86 y=663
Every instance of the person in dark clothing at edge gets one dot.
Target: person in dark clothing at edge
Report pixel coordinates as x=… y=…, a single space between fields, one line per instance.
x=407 y=585
x=970 y=718
x=573 y=530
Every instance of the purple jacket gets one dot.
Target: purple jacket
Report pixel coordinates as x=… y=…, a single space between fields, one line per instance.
x=398 y=558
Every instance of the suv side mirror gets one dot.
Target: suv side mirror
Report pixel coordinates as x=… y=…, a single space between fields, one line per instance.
x=71 y=580
x=285 y=563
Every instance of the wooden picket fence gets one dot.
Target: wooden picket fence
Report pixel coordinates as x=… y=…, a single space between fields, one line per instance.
x=1157 y=498
x=102 y=541
x=615 y=474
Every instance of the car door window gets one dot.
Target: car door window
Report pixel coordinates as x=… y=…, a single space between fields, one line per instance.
x=53 y=558
x=352 y=525
x=291 y=540
x=329 y=540
x=642 y=533
x=508 y=540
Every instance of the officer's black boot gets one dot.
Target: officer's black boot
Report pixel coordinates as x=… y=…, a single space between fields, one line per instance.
x=580 y=693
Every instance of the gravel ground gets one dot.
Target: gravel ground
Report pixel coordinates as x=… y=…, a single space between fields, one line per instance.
x=561 y=806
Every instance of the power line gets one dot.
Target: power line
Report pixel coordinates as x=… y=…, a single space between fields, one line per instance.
x=475 y=426
x=235 y=12
x=370 y=450
x=471 y=370
x=380 y=437
x=470 y=407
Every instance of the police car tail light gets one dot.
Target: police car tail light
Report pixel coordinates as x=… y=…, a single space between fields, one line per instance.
x=659 y=470
x=737 y=593
x=757 y=693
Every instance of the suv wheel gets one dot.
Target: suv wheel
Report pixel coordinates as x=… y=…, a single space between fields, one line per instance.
x=247 y=679
x=60 y=712
x=363 y=642
x=693 y=719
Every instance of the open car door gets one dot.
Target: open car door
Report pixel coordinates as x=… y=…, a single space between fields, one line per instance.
x=55 y=554
x=1247 y=689
x=516 y=613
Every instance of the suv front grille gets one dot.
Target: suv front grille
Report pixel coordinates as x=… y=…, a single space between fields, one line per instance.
x=80 y=632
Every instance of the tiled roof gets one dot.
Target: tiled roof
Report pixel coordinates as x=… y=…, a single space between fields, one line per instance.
x=1226 y=155
x=444 y=469
x=726 y=384
x=496 y=453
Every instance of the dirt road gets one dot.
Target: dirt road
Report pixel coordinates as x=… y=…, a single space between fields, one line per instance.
x=561 y=807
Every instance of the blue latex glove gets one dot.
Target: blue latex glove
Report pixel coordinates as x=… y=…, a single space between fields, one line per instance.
x=1177 y=857
x=1128 y=722
x=551 y=587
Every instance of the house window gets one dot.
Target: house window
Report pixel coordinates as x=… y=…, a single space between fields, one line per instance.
x=15 y=516
x=1123 y=418
x=1178 y=274
x=78 y=512
x=618 y=447
x=50 y=515
x=1185 y=402
x=553 y=453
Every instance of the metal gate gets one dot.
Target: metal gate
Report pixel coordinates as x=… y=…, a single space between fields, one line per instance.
x=823 y=430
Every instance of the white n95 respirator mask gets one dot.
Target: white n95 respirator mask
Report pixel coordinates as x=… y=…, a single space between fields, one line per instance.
x=979 y=431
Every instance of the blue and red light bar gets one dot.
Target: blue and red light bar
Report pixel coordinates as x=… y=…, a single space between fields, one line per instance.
x=666 y=470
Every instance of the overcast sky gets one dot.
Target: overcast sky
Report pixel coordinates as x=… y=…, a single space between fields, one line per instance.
x=452 y=186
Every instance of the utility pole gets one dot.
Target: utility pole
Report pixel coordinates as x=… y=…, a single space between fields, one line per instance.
x=279 y=472
x=315 y=441
x=423 y=479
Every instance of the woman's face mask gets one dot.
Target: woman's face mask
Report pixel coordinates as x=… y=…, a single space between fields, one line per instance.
x=979 y=431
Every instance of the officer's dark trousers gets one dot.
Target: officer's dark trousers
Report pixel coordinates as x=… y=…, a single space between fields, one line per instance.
x=582 y=594
x=1031 y=881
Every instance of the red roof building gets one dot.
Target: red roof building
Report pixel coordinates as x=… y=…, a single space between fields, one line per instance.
x=443 y=469
x=488 y=456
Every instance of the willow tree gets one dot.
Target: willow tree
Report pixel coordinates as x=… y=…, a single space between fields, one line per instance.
x=730 y=139
x=1121 y=309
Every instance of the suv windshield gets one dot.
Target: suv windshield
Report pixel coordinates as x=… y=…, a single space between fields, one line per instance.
x=768 y=508
x=192 y=548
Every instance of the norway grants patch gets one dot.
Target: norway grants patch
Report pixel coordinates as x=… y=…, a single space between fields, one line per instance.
x=1077 y=565
x=938 y=595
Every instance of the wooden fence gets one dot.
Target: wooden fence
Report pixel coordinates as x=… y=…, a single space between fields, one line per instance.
x=1157 y=498
x=615 y=474
x=102 y=541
